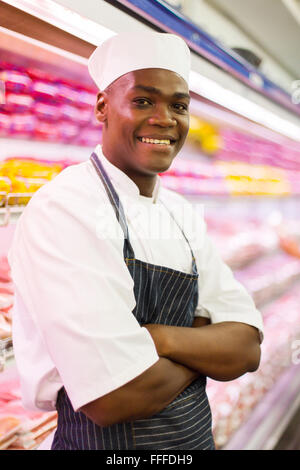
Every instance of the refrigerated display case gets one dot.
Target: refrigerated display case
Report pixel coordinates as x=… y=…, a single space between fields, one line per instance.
x=245 y=175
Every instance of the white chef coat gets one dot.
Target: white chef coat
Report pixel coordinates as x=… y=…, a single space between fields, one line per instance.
x=72 y=321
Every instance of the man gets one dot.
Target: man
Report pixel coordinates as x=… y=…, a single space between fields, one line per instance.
x=114 y=327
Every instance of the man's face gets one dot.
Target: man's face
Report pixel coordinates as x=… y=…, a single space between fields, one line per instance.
x=146 y=121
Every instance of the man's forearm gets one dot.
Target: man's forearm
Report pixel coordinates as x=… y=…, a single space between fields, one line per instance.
x=142 y=397
x=222 y=351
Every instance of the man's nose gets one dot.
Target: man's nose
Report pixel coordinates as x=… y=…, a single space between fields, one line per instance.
x=162 y=116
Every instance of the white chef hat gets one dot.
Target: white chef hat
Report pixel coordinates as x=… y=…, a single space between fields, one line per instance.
x=126 y=52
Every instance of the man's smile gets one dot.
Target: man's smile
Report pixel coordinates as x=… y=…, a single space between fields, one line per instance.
x=165 y=142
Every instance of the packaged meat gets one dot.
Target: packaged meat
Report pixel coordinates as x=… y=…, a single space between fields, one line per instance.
x=69 y=113
x=9 y=425
x=67 y=131
x=30 y=419
x=39 y=74
x=5 y=275
x=8 y=442
x=17 y=103
x=270 y=276
x=7 y=314
x=30 y=440
x=237 y=241
x=79 y=116
x=46 y=131
x=86 y=98
x=88 y=137
x=84 y=117
x=22 y=124
x=67 y=94
x=10 y=391
x=44 y=91
x=28 y=427
x=5 y=188
x=18 y=82
x=6 y=301
x=6 y=287
x=46 y=112
x=232 y=402
x=5 y=122
x=5 y=328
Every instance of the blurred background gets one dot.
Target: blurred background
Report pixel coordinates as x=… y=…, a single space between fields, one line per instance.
x=241 y=161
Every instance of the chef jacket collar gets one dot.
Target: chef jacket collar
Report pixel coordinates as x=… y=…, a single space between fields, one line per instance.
x=124 y=182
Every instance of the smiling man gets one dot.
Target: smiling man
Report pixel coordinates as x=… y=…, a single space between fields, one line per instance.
x=145 y=125
x=118 y=333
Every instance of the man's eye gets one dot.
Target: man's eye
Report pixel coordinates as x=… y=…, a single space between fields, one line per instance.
x=181 y=106
x=142 y=102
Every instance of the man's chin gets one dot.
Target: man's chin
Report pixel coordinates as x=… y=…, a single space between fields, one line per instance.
x=161 y=166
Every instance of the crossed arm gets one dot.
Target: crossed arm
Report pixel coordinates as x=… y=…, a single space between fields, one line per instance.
x=222 y=351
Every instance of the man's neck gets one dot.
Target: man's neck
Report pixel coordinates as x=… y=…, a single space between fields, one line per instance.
x=145 y=183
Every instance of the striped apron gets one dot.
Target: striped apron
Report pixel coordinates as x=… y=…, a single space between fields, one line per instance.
x=165 y=296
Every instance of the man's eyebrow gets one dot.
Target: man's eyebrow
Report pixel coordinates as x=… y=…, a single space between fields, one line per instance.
x=151 y=89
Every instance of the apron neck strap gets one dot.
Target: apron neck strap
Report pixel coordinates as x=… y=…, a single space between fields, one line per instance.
x=115 y=202
x=194 y=266
x=119 y=211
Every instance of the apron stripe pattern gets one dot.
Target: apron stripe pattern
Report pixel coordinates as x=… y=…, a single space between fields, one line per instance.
x=165 y=296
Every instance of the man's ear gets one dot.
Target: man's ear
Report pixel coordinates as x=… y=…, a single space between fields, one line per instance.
x=101 y=107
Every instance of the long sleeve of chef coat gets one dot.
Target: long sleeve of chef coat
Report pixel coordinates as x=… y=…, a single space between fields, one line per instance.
x=78 y=293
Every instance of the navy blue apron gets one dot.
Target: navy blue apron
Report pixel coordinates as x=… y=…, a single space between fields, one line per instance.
x=165 y=296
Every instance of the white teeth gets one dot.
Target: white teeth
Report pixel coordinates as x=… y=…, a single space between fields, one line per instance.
x=155 y=141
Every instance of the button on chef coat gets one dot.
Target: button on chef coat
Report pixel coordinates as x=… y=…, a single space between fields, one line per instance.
x=72 y=321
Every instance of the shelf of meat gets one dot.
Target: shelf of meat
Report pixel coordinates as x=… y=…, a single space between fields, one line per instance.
x=277 y=294
x=48 y=119
x=47 y=124
x=20 y=429
x=273 y=279
x=6 y=303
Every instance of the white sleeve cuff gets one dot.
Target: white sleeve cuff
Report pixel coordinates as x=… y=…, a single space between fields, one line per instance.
x=81 y=397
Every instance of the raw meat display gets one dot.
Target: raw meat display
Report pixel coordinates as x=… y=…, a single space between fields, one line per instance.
x=9 y=426
x=238 y=146
x=270 y=276
x=6 y=303
x=266 y=272
x=25 y=176
x=232 y=178
x=232 y=402
x=4 y=269
x=6 y=288
x=20 y=428
x=230 y=165
x=237 y=240
x=41 y=106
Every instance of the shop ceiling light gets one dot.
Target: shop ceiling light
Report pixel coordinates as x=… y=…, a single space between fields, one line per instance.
x=225 y=117
x=214 y=92
x=90 y=31
x=294 y=8
x=65 y=19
